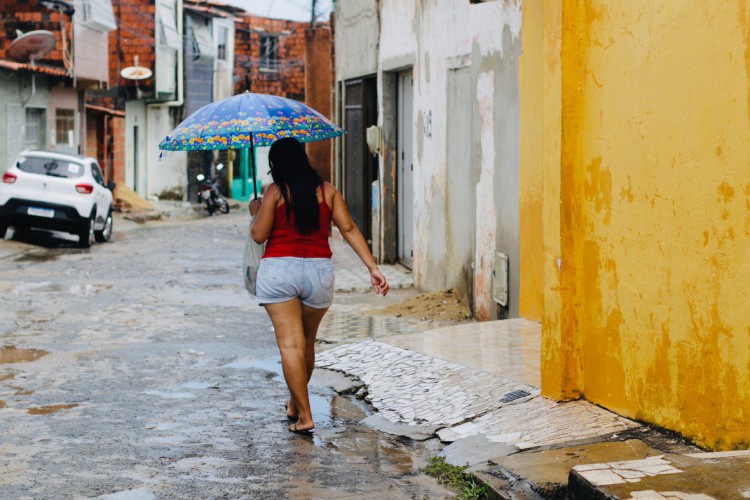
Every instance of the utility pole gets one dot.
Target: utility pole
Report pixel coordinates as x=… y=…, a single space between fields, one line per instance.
x=313 y=16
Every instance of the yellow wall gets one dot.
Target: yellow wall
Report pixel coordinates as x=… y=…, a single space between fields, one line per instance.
x=530 y=173
x=648 y=314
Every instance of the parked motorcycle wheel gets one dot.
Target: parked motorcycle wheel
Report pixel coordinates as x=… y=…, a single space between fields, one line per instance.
x=223 y=206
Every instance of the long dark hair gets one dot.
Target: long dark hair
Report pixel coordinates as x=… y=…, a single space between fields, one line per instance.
x=298 y=181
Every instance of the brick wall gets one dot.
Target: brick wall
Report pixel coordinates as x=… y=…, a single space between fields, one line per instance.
x=289 y=80
x=117 y=129
x=92 y=144
x=318 y=86
x=134 y=37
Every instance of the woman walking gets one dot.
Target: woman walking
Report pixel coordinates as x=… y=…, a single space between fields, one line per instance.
x=296 y=276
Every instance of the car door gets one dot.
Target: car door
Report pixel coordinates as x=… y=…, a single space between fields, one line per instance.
x=100 y=191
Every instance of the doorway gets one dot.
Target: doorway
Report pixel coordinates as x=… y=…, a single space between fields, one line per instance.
x=361 y=167
x=405 y=169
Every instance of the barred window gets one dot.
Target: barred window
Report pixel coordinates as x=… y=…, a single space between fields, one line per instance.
x=269 y=53
x=65 y=125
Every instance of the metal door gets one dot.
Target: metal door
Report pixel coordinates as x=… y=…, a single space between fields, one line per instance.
x=405 y=170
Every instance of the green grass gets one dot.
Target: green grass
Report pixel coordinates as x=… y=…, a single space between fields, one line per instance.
x=455 y=477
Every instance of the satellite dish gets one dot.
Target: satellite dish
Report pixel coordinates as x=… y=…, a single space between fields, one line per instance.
x=32 y=45
x=135 y=73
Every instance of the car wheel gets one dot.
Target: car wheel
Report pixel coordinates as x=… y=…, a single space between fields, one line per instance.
x=3 y=229
x=86 y=236
x=106 y=232
x=20 y=231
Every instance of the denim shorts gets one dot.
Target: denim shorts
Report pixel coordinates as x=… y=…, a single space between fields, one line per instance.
x=281 y=279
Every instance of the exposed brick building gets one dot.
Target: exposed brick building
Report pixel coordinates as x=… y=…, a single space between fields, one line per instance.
x=45 y=103
x=288 y=59
x=271 y=53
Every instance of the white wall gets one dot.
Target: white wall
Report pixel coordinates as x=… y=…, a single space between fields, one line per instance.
x=441 y=37
x=167 y=169
x=356 y=40
x=224 y=70
x=135 y=116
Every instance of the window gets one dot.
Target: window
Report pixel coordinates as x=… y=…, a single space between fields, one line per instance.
x=98 y=15
x=50 y=166
x=97 y=174
x=65 y=126
x=36 y=124
x=202 y=39
x=168 y=36
x=222 y=37
x=269 y=53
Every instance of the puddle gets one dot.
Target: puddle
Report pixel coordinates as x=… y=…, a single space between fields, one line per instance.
x=10 y=354
x=268 y=364
x=347 y=325
x=137 y=494
x=47 y=410
x=36 y=257
x=337 y=419
x=390 y=454
x=51 y=287
x=171 y=395
x=200 y=385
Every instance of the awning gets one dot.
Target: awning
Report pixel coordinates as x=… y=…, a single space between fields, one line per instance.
x=101 y=109
x=46 y=70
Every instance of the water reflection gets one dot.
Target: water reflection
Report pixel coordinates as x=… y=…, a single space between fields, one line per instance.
x=10 y=354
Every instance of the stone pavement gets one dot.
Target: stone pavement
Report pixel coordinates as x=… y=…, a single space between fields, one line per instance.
x=352 y=275
x=410 y=389
x=475 y=387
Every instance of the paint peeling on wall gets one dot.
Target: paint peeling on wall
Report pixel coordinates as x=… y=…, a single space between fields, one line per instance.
x=489 y=20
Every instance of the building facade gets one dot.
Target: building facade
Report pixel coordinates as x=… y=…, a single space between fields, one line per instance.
x=596 y=157
x=288 y=59
x=44 y=103
x=439 y=84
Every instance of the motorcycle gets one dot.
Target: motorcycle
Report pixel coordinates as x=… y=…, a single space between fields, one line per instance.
x=210 y=194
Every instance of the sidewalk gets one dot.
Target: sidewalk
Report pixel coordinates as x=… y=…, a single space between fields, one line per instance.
x=475 y=386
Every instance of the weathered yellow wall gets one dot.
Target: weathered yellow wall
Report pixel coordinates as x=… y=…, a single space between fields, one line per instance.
x=531 y=89
x=652 y=316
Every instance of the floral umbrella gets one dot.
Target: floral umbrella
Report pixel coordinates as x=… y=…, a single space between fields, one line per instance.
x=247 y=120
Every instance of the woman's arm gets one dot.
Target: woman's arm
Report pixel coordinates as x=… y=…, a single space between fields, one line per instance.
x=264 y=212
x=353 y=236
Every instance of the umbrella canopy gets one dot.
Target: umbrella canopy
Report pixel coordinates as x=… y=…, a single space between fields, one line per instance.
x=247 y=120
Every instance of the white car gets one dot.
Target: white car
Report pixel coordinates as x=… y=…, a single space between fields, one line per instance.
x=58 y=192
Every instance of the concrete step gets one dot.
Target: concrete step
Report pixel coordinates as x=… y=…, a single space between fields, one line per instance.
x=695 y=476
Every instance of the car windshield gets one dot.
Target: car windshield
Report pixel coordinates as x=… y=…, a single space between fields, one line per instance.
x=50 y=166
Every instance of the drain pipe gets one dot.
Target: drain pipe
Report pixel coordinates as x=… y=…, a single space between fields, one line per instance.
x=179 y=14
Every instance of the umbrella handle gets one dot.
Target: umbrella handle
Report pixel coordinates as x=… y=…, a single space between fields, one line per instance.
x=252 y=165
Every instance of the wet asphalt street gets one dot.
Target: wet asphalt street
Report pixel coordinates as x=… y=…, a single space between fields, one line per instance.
x=141 y=369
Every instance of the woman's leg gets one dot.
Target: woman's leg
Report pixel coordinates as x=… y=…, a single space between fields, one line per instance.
x=290 y=336
x=311 y=319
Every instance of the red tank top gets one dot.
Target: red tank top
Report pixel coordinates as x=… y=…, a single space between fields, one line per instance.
x=286 y=241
